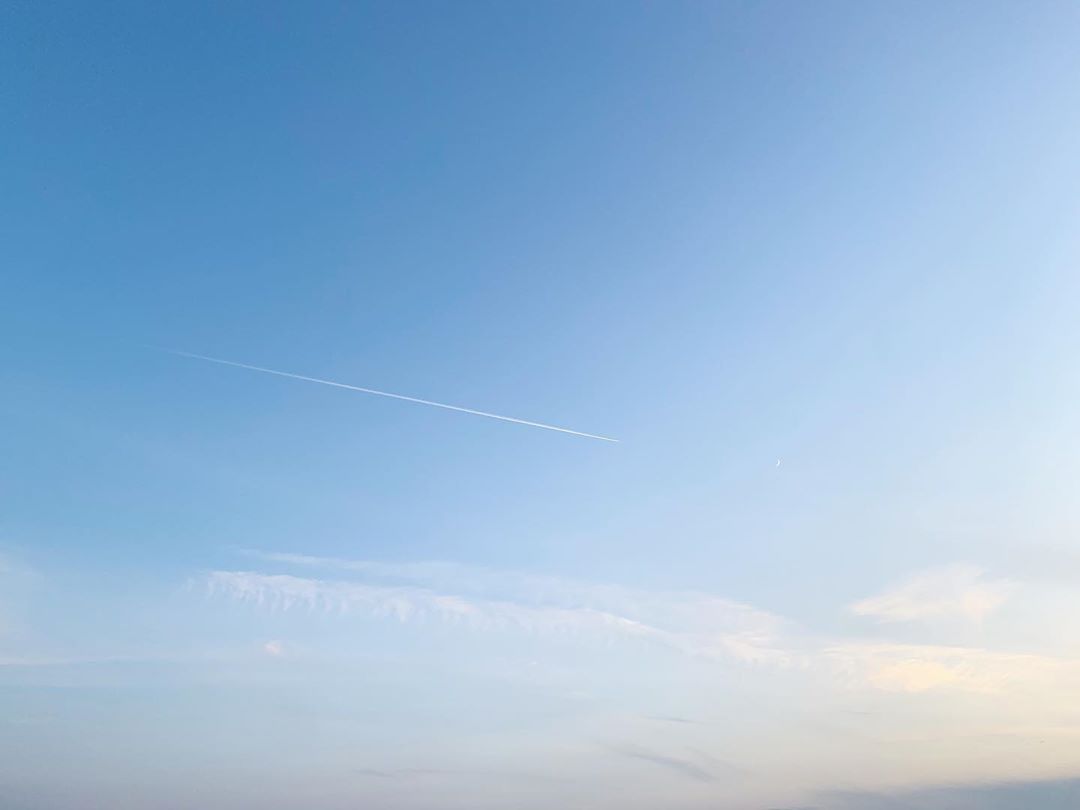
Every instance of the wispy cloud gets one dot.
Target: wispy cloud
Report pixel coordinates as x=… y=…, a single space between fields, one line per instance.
x=694 y=623
x=284 y=592
x=274 y=648
x=955 y=591
x=693 y=765
x=690 y=623
x=921 y=668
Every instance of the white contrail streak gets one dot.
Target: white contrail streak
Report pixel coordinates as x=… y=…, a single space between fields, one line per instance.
x=388 y=394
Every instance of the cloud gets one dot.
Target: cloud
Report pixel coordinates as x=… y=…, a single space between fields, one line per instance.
x=701 y=609
x=405 y=604
x=680 y=765
x=274 y=648
x=922 y=668
x=690 y=623
x=694 y=623
x=955 y=591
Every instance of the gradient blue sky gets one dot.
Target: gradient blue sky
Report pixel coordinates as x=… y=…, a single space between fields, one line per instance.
x=843 y=235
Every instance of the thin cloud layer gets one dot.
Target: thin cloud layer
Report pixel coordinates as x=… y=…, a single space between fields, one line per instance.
x=689 y=610
x=922 y=668
x=695 y=624
x=683 y=766
x=950 y=592
x=689 y=623
x=407 y=604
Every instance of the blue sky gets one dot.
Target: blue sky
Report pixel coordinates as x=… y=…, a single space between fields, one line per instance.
x=841 y=236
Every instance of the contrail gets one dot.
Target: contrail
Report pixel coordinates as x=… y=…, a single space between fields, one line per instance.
x=388 y=394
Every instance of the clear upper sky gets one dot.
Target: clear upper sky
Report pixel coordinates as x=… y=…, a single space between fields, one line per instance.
x=813 y=264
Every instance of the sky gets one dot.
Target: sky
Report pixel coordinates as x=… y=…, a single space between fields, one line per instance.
x=813 y=265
